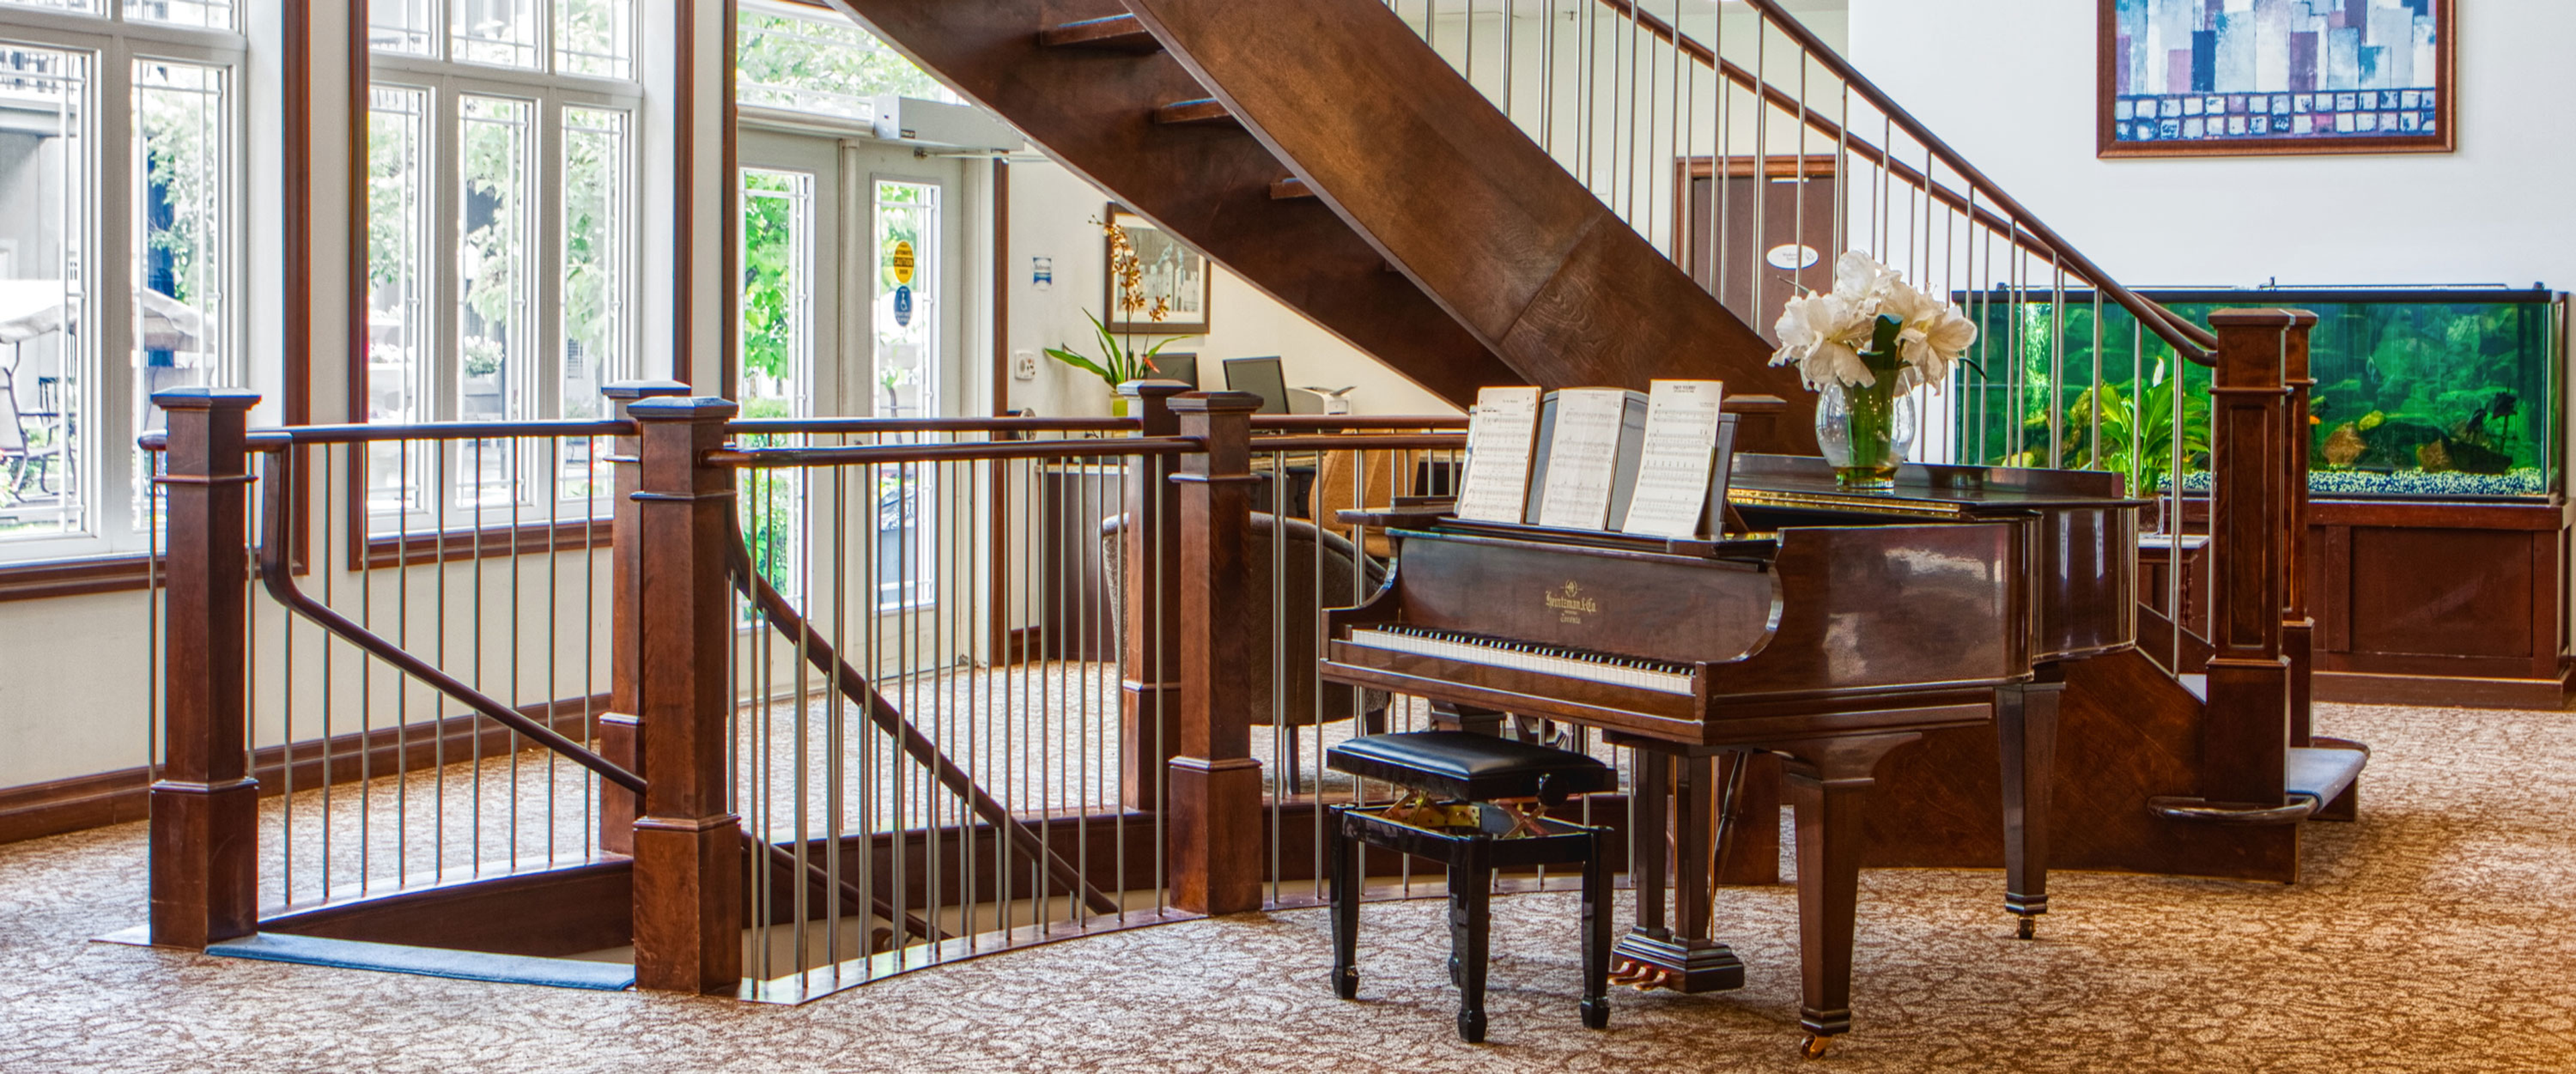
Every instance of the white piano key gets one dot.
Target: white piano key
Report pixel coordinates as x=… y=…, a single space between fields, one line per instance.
x=1528 y=657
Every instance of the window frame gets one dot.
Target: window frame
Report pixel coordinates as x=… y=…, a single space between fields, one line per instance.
x=116 y=536
x=447 y=82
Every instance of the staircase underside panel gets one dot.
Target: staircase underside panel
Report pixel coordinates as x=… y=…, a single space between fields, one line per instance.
x=1209 y=185
x=1456 y=195
x=2127 y=732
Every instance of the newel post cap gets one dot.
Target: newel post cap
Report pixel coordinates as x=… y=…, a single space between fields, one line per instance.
x=684 y=408
x=643 y=389
x=1216 y=403
x=203 y=397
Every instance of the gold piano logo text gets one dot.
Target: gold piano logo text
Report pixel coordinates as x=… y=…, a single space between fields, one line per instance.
x=1570 y=604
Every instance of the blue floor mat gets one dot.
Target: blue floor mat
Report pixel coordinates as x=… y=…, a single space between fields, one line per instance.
x=429 y=961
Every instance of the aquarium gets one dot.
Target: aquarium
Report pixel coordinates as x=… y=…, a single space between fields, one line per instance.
x=2420 y=392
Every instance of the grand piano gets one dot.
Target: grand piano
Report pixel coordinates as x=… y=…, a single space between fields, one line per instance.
x=1843 y=626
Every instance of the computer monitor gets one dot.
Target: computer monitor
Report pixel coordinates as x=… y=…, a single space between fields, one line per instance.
x=1260 y=376
x=1180 y=367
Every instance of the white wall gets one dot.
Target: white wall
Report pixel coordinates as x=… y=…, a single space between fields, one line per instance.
x=1054 y=214
x=2011 y=84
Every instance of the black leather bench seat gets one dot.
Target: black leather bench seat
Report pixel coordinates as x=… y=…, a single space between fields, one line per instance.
x=1473 y=767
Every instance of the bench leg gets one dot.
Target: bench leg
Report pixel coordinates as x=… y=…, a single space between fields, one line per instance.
x=1346 y=882
x=1471 y=921
x=1596 y=939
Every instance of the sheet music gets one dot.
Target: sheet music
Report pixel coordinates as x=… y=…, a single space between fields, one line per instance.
x=1673 y=471
x=1583 y=458
x=1499 y=439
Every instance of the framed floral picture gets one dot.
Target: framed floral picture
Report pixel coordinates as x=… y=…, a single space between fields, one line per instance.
x=2273 y=77
x=1169 y=277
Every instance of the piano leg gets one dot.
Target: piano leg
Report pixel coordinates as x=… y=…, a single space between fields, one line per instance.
x=1828 y=781
x=1471 y=919
x=2026 y=730
x=1683 y=958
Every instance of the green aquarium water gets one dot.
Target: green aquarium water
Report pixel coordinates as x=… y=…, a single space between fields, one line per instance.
x=2429 y=393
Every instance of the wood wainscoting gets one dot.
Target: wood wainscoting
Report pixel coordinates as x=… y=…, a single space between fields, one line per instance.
x=96 y=801
x=2440 y=603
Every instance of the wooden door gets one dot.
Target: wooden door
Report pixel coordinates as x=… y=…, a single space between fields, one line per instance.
x=1793 y=247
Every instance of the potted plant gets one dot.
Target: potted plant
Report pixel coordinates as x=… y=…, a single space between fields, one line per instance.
x=1120 y=361
x=1865 y=347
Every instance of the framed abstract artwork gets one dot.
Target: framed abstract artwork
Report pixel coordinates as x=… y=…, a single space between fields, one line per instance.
x=1169 y=275
x=2267 y=77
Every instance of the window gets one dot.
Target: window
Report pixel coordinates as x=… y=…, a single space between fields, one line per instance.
x=797 y=59
x=500 y=179
x=119 y=207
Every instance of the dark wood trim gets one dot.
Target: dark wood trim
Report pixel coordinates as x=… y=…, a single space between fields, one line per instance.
x=1775 y=165
x=567 y=911
x=75 y=577
x=79 y=803
x=729 y=285
x=431 y=549
x=2107 y=145
x=2444 y=690
x=1001 y=406
x=2438 y=514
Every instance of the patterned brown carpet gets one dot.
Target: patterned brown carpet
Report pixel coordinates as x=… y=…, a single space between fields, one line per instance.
x=2432 y=936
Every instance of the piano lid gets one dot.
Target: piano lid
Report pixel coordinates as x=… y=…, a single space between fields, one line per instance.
x=1806 y=483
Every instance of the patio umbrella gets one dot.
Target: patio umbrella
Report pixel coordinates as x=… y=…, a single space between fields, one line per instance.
x=31 y=308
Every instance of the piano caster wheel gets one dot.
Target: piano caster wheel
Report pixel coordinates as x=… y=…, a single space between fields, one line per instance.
x=1814 y=1046
x=2029 y=927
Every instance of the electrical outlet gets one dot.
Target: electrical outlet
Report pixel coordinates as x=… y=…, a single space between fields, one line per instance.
x=1024 y=365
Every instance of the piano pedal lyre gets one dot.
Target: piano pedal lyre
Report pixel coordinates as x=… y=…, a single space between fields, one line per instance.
x=1643 y=976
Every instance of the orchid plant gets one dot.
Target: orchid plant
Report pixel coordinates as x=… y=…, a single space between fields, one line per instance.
x=1120 y=361
x=1872 y=324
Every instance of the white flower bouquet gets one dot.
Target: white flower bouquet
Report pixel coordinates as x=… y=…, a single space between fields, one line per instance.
x=1872 y=324
x=1864 y=347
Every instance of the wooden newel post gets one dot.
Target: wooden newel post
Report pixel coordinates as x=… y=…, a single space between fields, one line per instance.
x=2298 y=629
x=2244 y=740
x=618 y=736
x=1150 y=557
x=205 y=806
x=688 y=848
x=1215 y=817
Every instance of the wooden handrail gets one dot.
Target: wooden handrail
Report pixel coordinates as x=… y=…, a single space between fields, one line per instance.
x=988 y=451
x=2190 y=340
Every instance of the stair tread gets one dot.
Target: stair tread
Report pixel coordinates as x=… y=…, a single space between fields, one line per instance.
x=1203 y=110
x=1114 y=33
x=2324 y=772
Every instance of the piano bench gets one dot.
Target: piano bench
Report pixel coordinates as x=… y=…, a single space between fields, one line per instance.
x=1472 y=767
x=1473 y=840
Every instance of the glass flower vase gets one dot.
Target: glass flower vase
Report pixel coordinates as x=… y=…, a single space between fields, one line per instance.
x=1865 y=431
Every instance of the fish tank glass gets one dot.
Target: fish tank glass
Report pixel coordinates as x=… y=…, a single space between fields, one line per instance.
x=2420 y=393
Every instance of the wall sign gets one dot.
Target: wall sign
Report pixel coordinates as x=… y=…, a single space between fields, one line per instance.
x=903 y=307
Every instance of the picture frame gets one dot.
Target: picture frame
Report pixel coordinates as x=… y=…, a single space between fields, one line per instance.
x=2283 y=78
x=1172 y=271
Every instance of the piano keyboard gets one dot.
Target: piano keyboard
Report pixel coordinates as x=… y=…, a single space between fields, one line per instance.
x=1658 y=675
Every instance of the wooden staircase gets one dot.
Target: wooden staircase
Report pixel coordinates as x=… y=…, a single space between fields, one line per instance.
x=1311 y=146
